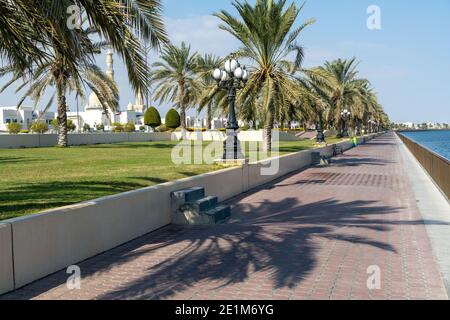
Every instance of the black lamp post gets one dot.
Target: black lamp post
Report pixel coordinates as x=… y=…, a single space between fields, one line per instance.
x=320 y=135
x=232 y=78
x=371 y=122
x=345 y=115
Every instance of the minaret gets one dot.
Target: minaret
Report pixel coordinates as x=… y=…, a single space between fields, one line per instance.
x=110 y=64
x=139 y=105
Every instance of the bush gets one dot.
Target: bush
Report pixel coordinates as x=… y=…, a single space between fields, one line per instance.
x=14 y=128
x=100 y=127
x=162 y=128
x=196 y=129
x=25 y=131
x=173 y=119
x=117 y=127
x=39 y=127
x=129 y=127
x=142 y=128
x=86 y=127
x=70 y=125
x=152 y=118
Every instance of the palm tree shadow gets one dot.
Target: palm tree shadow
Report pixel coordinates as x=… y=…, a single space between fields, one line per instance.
x=275 y=238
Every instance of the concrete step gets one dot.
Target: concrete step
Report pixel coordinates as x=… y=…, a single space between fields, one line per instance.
x=190 y=195
x=219 y=214
x=201 y=205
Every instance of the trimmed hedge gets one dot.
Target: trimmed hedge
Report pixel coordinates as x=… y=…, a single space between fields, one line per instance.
x=152 y=118
x=173 y=120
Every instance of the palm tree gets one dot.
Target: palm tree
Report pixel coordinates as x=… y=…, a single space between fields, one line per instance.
x=346 y=89
x=43 y=77
x=119 y=22
x=267 y=34
x=176 y=79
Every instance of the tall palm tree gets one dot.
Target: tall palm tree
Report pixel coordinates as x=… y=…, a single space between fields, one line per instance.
x=267 y=34
x=176 y=79
x=346 y=89
x=120 y=22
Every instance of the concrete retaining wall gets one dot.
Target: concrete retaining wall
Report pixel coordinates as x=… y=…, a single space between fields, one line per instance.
x=38 y=245
x=75 y=139
x=6 y=258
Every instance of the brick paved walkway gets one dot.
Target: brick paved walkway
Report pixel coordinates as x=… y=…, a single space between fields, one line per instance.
x=312 y=235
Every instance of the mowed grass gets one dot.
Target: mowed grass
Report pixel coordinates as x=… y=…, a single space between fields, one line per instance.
x=34 y=180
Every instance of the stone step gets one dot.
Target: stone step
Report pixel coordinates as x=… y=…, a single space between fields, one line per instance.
x=182 y=197
x=219 y=214
x=201 y=205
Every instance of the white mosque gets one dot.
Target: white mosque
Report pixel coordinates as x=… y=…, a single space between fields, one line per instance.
x=94 y=114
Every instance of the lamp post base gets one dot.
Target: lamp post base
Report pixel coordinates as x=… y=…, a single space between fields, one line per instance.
x=320 y=136
x=232 y=146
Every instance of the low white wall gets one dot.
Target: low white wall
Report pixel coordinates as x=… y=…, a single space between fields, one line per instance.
x=75 y=139
x=6 y=258
x=48 y=242
x=244 y=136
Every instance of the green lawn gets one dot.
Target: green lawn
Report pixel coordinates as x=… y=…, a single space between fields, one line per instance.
x=33 y=180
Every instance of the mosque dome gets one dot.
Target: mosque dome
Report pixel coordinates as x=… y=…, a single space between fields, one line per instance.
x=94 y=102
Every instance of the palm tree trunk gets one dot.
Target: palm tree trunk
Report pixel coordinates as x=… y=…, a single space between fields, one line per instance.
x=208 y=117
x=183 y=117
x=181 y=99
x=62 y=113
x=268 y=133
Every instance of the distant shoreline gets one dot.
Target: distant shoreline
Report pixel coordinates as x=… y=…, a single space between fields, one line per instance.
x=422 y=130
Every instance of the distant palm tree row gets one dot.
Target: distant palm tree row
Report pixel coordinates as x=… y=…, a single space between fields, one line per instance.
x=40 y=50
x=280 y=90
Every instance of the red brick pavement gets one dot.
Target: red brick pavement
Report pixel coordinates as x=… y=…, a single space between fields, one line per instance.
x=312 y=235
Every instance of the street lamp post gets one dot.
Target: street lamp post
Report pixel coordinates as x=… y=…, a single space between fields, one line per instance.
x=232 y=78
x=371 y=122
x=345 y=115
x=320 y=134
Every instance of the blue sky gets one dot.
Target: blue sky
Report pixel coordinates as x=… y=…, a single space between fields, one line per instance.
x=407 y=61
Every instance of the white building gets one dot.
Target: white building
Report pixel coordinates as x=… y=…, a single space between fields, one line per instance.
x=24 y=115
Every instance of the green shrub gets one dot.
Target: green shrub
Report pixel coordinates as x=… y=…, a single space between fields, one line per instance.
x=117 y=127
x=70 y=125
x=173 y=119
x=129 y=127
x=152 y=118
x=142 y=128
x=14 y=128
x=162 y=128
x=25 y=131
x=39 y=127
x=54 y=124
x=100 y=127
x=196 y=129
x=86 y=127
